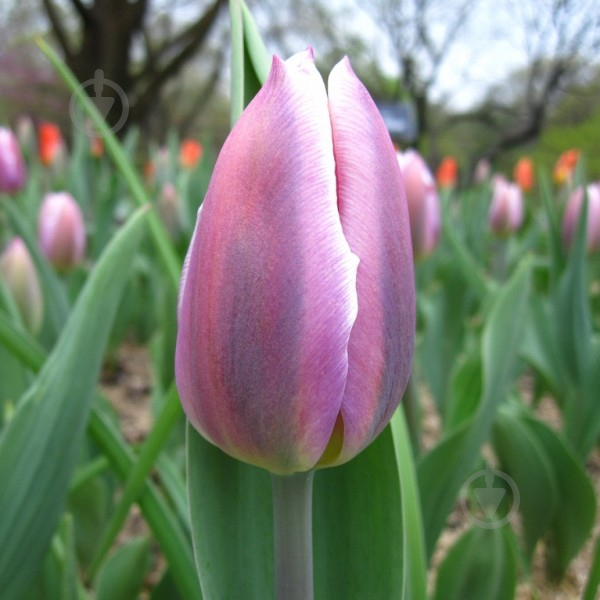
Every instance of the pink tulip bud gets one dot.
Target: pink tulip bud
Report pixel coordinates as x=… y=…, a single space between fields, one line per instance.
x=61 y=230
x=506 y=210
x=482 y=171
x=20 y=277
x=423 y=203
x=573 y=212
x=12 y=167
x=168 y=208
x=297 y=300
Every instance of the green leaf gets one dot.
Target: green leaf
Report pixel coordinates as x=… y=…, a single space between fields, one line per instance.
x=524 y=458
x=444 y=469
x=465 y=391
x=574 y=517
x=40 y=445
x=123 y=575
x=415 y=564
x=480 y=565
x=250 y=60
x=593 y=582
x=357 y=525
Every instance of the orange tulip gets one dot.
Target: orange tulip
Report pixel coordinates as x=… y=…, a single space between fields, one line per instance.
x=190 y=153
x=447 y=173
x=524 y=174
x=50 y=143
x=96 y=147
x=565 y=166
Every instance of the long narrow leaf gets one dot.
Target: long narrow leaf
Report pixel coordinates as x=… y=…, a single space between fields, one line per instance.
x=39 y=446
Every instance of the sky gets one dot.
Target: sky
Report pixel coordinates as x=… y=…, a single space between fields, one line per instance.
x=488 y=50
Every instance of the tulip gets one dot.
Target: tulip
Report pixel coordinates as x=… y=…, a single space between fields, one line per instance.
x=50 y=143
x=96 y=147
x=482 y=171
x=506 y=210
x=61 y=230
x=18 y=273
x=12 y=166
x=573 y=213
x=296 y=312
x=565 y=166
x=524 y=174
x=190 y=153
x=423 y=203
x=447 y=173
x=168 y=208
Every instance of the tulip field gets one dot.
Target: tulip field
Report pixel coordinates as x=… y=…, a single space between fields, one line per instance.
x=305 y=364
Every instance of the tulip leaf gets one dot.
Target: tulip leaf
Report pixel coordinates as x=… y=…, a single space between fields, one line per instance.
x=480 y=565
x=357 y=525
x=500 y=343
x=576 y=509
x=523 y=457
x=415 y=564
x=170 y=534
x=250 y=60
x=123 y=574
x=41 y=443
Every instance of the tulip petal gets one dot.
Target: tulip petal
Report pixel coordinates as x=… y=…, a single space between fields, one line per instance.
x=374 y=217
x=269 y=297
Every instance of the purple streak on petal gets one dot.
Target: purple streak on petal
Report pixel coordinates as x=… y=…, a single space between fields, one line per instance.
x=374 y=217
x=270 y=293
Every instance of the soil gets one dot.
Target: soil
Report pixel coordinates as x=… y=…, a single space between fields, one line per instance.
x=128 y=383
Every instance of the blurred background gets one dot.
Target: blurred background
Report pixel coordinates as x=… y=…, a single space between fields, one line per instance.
x=469 y=78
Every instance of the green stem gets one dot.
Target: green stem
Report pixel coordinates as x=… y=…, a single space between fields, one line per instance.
x=292 y=519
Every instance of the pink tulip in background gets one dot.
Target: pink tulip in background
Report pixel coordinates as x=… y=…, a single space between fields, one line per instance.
x=12 y=166
x=61 y=230
x=20 y=276
x=297 y=301
x=423 y=203
x=506 y=210
x=573 y=212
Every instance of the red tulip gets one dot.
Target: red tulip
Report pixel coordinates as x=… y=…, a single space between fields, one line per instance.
x=297 y=305
x=190 y=153
x=50 y=143
x=524 y=174
x=447 y=173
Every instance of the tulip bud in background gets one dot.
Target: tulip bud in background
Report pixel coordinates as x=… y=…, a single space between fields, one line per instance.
x=25 y=131
x=61 y=230
x=51 y=145
x=169 y=209
x=573 y=213
x=297 y=302
x=96 y=147
x=565 y=166
x=482 y=171
x=12 y=166
x=423 y=203
x=506 y=210
x=20 y=277
x=523 y=174
x=447 y=172
x=190 y=153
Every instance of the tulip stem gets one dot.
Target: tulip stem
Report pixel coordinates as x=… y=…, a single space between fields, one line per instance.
x=292 y=519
